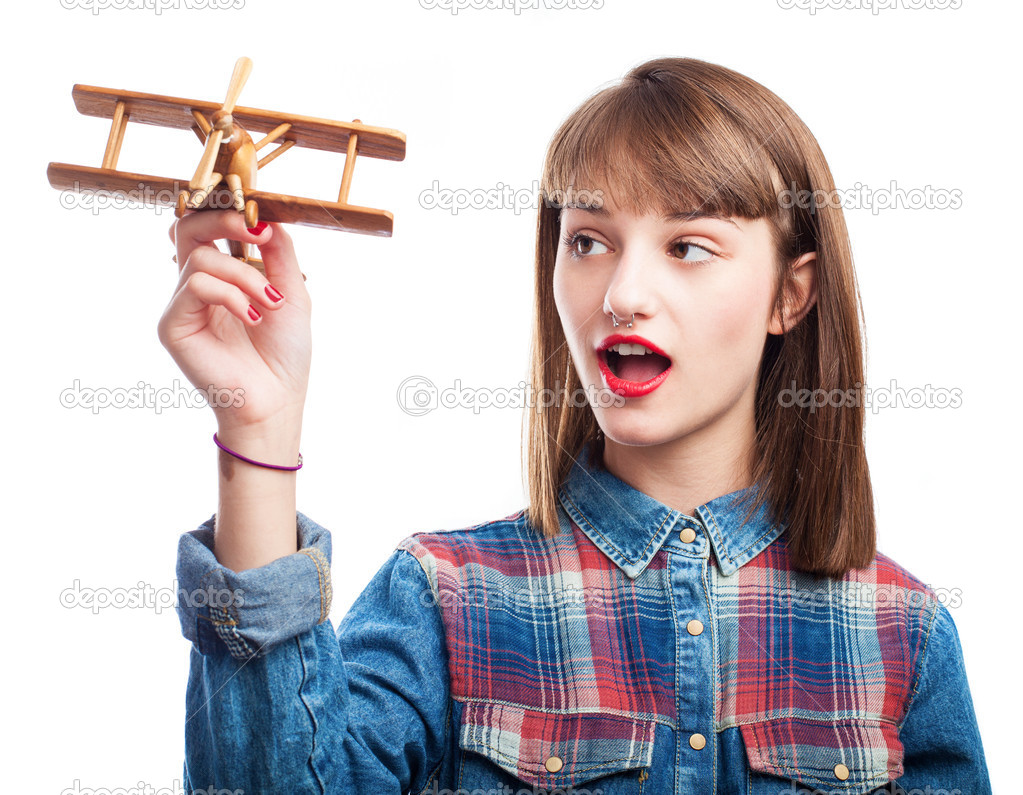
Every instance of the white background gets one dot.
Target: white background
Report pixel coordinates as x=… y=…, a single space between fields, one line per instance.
x=920 y=97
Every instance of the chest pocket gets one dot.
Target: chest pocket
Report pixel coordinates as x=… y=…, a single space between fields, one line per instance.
x=848 y=756
x=507 y=744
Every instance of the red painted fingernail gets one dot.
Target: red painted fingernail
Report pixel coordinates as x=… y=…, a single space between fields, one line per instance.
x=253 y=313
x=258 y=228
x=273 y=292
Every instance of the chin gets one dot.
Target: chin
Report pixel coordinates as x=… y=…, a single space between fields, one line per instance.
x=633 y=431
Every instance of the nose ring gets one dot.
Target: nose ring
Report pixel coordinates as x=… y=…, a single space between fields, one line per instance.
x=614 y=320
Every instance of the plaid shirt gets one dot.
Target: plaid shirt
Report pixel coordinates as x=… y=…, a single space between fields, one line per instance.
x=640 y=650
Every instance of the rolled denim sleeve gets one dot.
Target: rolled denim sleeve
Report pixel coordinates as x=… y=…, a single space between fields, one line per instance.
x=943 y=750
x=251 y=611
x=280 y=702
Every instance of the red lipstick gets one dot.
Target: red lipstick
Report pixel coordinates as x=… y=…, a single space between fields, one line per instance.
x=620 y=386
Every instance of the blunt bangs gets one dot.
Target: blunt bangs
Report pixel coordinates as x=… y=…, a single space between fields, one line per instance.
x=657 y=146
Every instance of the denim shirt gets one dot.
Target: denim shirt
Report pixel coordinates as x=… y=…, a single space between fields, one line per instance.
x=641 y=651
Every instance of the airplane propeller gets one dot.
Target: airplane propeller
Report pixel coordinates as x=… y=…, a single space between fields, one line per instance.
x=204 y=173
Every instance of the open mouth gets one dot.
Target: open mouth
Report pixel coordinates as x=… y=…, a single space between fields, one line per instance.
x=631 y=365
x=635 y=363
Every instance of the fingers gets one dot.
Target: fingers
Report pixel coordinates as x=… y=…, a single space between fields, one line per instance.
x=205 y=228
x=188 y=311
x=246 y=281
x=195 y=237
x=202 y=289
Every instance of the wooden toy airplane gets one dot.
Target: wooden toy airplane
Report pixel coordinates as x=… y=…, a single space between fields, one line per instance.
x=226 y=175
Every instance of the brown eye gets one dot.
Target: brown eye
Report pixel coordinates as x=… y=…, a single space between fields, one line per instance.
x=690 y=252
x=583 y=245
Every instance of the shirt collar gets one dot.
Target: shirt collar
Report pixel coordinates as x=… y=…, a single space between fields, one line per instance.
x=630 y=526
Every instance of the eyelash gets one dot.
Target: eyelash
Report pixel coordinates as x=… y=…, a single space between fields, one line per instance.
x=572 y=240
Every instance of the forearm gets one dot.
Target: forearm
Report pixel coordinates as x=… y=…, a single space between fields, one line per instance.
x=256 y=511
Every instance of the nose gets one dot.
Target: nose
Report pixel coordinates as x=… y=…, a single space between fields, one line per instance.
x=631 y=293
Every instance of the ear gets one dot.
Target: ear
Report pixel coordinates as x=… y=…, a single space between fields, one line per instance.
x=800 y=294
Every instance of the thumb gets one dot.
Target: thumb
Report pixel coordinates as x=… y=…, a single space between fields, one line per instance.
x=280 y=261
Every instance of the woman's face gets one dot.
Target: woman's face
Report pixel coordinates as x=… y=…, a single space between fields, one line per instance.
x=701 y=290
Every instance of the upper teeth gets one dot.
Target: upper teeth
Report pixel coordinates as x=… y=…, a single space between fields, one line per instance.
x=628 y=349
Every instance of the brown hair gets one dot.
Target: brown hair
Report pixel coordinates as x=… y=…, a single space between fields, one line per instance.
x=681 y=134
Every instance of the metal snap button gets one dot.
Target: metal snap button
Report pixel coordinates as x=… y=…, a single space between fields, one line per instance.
x=694 y=627
x=554 y=764
x=697 y=741
x=841 y=772
x=687 y=535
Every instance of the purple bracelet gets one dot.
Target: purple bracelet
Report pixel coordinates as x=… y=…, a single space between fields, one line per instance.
x=226 y=449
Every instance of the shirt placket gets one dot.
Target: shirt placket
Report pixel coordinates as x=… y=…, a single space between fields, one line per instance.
x=696 y=749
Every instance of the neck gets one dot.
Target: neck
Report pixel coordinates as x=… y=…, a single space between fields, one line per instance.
x=686 y=472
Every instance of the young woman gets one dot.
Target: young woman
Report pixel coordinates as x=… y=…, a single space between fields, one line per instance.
x=692 y=601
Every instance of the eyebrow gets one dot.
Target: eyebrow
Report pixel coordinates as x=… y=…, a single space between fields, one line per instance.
x=679 y=216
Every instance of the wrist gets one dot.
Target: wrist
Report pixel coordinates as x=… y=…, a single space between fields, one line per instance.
x=262 y=464
x=275 y=440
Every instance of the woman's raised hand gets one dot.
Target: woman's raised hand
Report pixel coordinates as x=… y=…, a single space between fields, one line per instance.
x=225 y=329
